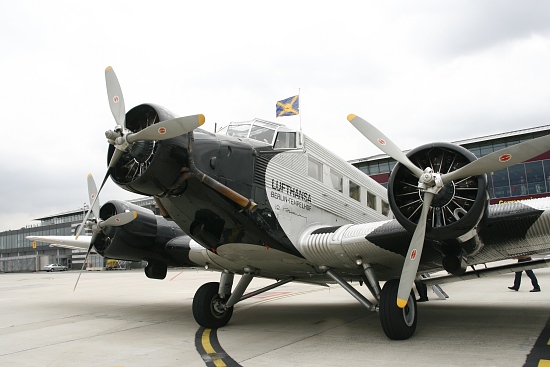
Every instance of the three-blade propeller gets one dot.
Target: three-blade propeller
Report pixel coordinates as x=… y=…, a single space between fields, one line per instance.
x=98 y=225
x=430 y=183
x=122 y=138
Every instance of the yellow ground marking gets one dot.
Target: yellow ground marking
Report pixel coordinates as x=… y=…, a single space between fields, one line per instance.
x=544 y=363
x=218 y=362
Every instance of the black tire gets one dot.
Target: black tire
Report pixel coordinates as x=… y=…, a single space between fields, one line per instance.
x=397 y=323
x=208 y=307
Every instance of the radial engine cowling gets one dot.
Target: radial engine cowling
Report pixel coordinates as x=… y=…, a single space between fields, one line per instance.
x=459 y=206
x=151 y=168
x=147 y=237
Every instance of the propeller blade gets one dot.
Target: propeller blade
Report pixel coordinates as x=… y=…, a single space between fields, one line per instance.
x=84 y=220
x=83 y=265
x=168 y=129
x=383 y=142
x=116 y=156
x=118 y=220
x=412 y=260
x=92 y=193
x=94 y=205
x=501 y=159
x=95 y=200
x=114 y=92
x=115 y=221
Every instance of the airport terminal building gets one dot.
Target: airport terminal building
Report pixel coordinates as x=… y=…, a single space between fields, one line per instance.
x=19 y=254
x=522 y=181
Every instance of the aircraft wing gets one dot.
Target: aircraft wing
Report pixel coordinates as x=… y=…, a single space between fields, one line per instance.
x=64 y=241
x=510 y=230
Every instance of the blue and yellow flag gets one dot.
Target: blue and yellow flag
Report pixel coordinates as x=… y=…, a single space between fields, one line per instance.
x=288 y=107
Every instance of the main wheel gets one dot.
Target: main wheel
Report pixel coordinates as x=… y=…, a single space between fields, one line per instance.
x=209 y=309
x=397 y=323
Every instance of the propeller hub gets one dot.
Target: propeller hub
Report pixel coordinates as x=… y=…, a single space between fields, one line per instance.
x=444 y=196
x=426 y=180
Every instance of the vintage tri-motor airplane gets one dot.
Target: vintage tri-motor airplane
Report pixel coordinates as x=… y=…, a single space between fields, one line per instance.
x=262 y=200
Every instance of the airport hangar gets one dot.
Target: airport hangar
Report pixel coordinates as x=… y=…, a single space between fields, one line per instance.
x=522 y=181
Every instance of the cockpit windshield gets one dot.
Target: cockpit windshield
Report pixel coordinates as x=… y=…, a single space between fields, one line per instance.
x=277 y=135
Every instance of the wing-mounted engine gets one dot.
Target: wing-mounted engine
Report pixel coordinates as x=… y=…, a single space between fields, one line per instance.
x=148 y=237
x=441 y=176
x=455 y=210
x=145 y=159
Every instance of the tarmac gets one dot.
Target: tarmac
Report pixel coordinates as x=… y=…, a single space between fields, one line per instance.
x=122 y=318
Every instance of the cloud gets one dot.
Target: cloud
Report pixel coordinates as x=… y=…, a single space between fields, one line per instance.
x=421 y=71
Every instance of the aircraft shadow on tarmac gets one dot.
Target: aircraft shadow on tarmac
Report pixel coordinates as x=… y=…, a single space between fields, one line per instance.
x=440 y=319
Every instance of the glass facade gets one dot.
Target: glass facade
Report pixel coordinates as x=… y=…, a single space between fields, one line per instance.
x=13 y=243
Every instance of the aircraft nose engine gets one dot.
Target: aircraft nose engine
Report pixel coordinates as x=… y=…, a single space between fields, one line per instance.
x=144 y=159
x=455 y=210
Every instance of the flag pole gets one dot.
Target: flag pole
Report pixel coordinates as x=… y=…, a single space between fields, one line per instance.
x=301 y=133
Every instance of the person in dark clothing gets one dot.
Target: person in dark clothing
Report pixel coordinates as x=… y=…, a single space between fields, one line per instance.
x=422 y=290
x=530 y=274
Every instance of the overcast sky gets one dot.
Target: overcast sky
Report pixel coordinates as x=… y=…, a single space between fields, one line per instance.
x=421 y=71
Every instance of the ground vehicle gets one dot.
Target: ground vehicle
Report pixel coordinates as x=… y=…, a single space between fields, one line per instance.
x=55 y=267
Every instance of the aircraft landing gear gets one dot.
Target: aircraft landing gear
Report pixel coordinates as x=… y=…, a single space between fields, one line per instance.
x=213 y=302
x=209 y=309
x=397 y=323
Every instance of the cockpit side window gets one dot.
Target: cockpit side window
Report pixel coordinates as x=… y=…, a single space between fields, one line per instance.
x=285 y=140
x=262 y=133
x=238 y=131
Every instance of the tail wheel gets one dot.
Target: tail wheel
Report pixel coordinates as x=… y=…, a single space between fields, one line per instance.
x=209 y=308
x=397 y=323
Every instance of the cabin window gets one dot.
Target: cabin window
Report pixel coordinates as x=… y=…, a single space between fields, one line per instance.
x=337 y=180
x=285 y=140
x=385 y=208
x=354 y=191
x=371 y=200
x=315 y=169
